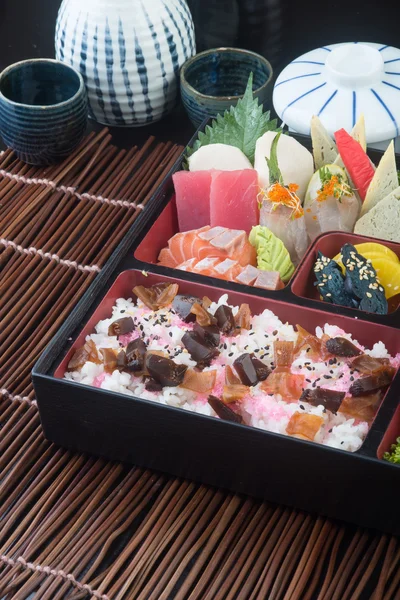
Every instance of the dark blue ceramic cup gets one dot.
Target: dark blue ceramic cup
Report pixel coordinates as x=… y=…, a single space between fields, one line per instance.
x=43 y=110
x=215 y=80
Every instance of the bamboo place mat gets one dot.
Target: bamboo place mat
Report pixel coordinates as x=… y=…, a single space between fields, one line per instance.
x=76 y=527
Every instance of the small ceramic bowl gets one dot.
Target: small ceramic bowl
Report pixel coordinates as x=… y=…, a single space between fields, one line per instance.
x=43 y=110
x=215 y=80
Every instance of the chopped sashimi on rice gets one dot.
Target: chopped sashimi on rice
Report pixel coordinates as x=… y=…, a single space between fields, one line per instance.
x=219 y=360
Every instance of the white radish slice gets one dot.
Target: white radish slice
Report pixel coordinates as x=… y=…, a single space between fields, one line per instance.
x=295 y=162
x=220 y=157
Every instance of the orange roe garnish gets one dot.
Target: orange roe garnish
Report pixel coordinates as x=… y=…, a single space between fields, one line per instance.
x=334 y=187
x=286 y=195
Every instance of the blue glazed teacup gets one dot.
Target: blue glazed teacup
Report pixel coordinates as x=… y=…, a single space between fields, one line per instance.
x=215 y=80
x=43 y=110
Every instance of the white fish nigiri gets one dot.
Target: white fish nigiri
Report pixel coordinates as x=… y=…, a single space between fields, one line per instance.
x=219 y=156
x=281 y=209
x=287 y=227
x=330 y=204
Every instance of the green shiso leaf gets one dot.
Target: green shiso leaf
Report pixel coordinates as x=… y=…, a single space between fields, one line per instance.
x=240 y=126
x=394 y=455
x=275 y=175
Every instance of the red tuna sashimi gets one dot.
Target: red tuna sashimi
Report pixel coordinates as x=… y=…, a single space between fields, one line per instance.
x=356 y=162
x=233 y=199
x=192 y=199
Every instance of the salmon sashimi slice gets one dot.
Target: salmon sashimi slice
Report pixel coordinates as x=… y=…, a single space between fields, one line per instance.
x=188 y=265
x=304 y=425
x=248 y=275
x=167 y=259
x=288 y=385
x=207 y=243
x=211 y=233
x=228 y=269
x=206 y=266
x=269 y=280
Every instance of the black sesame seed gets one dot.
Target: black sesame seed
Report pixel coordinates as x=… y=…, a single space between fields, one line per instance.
x=302 y=407
x=170 y=334
x=230 y=354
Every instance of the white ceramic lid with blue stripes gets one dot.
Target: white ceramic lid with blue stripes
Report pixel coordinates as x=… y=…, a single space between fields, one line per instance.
x=339 y=83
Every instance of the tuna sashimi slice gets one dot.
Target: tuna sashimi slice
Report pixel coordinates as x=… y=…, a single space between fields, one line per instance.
x=192 y=191
x=233 y=199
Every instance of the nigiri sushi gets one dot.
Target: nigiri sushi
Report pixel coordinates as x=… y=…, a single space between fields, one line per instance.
x=330 y=203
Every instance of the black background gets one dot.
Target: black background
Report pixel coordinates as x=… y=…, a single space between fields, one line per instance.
x=279 y=29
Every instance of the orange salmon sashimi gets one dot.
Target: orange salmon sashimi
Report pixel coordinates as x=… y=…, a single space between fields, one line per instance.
x=288 y=385
x=207 y=242
x=229 y=270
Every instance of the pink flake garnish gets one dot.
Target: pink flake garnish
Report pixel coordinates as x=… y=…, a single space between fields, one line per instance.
x=99 y=380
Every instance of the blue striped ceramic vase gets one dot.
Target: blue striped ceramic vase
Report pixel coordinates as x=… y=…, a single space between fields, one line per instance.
x=129 y=53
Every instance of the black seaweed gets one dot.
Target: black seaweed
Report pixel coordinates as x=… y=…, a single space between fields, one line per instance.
x=362 y=281
x=225 y=320
x=331 y=283
x=223 y=411
x=330 y=399
x=200 y=352
x=164 y=370
x=182 y=305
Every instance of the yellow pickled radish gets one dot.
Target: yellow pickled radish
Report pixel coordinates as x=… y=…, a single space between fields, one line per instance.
x=388 y=273
x=368 y=247
x=374 y=255
x=371 y=251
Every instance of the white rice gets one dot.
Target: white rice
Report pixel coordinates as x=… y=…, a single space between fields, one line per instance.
x=162 y=330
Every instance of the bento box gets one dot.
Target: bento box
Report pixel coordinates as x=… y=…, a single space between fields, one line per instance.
x=356 y=486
